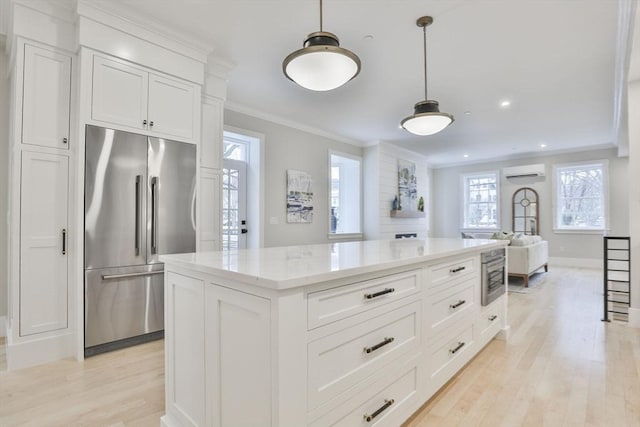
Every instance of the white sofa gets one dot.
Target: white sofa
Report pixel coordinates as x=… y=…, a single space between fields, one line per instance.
x=526 y=255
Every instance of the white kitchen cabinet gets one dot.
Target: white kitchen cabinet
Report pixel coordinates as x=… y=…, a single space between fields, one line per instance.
x=185 y=385
x=132 y=97
x=212 y=124
x=225 y=333
x=46 y=97
x=209 y=203
x=119 y=93
x=43 y=242
x=238 y=358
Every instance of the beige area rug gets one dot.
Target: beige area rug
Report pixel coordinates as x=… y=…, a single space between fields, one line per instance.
x=536 y=281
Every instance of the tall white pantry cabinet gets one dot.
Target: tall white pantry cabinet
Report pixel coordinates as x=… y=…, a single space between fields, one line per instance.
x=42 y=78
x=69 y=68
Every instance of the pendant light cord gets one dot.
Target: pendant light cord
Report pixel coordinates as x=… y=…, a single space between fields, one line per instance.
x=321 y=15
x=424 y=30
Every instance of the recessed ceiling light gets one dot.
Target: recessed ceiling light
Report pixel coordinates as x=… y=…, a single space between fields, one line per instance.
x=467 y=113
x=368 y=37
x=504 y=104
x=465 y=156
x=543 y=145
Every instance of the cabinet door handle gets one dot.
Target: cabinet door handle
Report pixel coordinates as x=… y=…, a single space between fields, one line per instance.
x=379 y=345
x=65 y=140
x=456 y=305
x=151 y=123
x=457 y=269
x=379 y=293
x=387 y=403
x=144 y=122
x=458 y=347
x=492 y=318
x=64 y=241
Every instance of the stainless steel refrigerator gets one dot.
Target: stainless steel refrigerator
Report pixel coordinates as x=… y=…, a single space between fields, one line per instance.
x=139 y=203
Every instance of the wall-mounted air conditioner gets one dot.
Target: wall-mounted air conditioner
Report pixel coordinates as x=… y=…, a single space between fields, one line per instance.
x=525 y=171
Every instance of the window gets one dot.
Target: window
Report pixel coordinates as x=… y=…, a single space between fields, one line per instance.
x=581 y=196
x=481 y=201
x=344 y=194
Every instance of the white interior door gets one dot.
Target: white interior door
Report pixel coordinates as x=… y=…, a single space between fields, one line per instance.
x=234 y=205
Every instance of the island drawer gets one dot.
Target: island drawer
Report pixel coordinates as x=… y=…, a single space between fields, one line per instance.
x=445 y=272
x=447 y=307
x=490 y=320
x=384 y=404
x=449 y=354
x=338 y=361
x=338 y=303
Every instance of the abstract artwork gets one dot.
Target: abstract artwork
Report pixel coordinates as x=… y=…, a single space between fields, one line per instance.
x=407 y=186
x=299 y=197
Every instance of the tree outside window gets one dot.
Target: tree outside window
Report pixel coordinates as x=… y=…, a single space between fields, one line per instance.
x=481 y=201
x=581 y=202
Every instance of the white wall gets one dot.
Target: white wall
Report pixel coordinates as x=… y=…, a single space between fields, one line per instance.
x=448 y=199
x=4 y=176
x=288 y=148
x=633 y=93
x=381 y=186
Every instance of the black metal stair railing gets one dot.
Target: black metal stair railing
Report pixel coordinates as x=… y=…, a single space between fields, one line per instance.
x=617 y=278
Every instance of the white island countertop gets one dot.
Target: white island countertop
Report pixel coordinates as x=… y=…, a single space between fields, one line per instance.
x=293 y=266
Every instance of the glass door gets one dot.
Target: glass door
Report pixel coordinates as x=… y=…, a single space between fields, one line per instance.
x=234 y=204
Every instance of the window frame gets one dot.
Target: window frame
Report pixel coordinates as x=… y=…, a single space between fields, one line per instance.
x=560 y=229
x=351 y=235
x=464 y=178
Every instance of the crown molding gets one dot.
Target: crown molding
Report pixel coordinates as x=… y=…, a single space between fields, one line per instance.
x=527 y=156
x=139 y=25
x=238 y=108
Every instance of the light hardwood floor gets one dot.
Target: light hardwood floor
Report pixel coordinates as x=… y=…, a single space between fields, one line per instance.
x=561 y=367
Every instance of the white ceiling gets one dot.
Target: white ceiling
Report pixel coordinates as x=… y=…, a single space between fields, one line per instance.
x=555 y=60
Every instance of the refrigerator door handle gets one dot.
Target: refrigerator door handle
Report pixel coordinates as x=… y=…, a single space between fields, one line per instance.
x=137 y=226
x=154 y=215
x=125 y=275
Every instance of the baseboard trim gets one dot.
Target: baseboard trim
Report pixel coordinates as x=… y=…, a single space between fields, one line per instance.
x=634 y=317
x=38 y=351
x=3 y=326
x=594 y=263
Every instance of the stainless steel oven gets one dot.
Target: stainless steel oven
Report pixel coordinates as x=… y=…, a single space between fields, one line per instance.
x=494 y=275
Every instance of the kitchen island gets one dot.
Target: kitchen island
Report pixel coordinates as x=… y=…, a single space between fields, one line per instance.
x=348 y=334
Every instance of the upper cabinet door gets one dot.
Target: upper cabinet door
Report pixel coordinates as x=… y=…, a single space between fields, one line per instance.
x=46 y=98
x=119 y=94
x=172 y=107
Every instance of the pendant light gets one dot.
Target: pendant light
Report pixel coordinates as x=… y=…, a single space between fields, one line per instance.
x=427 y=118
x=321 y=64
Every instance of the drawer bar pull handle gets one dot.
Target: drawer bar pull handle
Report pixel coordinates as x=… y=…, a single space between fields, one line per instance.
x=457 y=269
x=379 y=345
x=387 y=403
x=456 y=305
x=458 y=347
x=379 y=293
x=492 y=318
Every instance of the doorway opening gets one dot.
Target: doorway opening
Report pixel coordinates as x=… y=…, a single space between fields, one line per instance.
x=242 y=185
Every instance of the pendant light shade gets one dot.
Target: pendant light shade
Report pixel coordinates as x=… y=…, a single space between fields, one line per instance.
x=426 y=118
x=321 y=64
